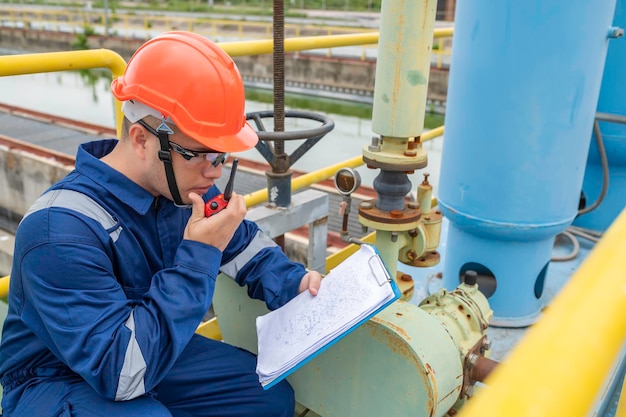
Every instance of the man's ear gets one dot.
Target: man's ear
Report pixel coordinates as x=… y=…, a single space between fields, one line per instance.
x=138 y=140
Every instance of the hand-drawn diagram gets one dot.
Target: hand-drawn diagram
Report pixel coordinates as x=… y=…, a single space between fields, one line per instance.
x=348 y=294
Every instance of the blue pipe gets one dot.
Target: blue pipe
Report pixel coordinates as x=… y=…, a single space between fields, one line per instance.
x=524 y=83
x=612 y=102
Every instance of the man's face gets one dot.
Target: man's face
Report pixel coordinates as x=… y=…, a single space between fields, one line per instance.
x=195 y=167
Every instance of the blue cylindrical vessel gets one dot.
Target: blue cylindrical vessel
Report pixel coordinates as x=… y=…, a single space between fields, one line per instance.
x=524 y=84
x=612 y=102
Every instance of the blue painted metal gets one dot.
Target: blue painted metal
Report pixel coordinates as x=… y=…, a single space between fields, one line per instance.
x=612 y=101
x=518 y=118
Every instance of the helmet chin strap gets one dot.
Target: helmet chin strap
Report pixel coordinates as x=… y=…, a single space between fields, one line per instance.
x=165 y=155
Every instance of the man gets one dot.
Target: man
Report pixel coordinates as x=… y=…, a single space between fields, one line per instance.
x=115 y=266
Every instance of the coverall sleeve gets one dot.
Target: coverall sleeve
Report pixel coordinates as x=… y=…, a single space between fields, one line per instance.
x=253 y=259
x=74 y=303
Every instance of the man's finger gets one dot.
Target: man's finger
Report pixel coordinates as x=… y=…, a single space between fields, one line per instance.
x=197 y=208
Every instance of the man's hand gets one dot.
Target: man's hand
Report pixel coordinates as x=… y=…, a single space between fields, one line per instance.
x=218 y=229
x=311 y=281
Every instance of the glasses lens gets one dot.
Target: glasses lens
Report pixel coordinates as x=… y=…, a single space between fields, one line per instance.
x=216 y=158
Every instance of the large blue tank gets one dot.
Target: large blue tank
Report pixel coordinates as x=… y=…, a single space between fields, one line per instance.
x=612 y=102
x=524 y=83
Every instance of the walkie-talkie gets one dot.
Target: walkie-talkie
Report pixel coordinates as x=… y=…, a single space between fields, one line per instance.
x=219 y=202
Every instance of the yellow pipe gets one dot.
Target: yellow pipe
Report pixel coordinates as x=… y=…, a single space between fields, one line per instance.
x=621 y=405
x=4 y=286
x=432 y=134
x=306 y=180
x=560 y=365
x=245 y=48
x=66 y=61
x=210 y=329
x=339 y=256
x=62 y=61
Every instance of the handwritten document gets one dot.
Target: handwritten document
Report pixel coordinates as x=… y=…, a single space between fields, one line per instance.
x=290 y=336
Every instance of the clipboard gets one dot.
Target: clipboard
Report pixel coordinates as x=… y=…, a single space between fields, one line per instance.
x=278 y=359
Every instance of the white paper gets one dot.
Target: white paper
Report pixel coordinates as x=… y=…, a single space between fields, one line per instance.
x=349 y=293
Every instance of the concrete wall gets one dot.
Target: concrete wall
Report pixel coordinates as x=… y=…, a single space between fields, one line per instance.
x=304 y=71
x=23 y=177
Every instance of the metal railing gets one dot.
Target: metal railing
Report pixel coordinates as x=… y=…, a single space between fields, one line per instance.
x=145 y=25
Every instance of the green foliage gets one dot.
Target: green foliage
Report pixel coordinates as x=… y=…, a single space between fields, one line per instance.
x=82 y=39
x=327 y=105
x=249 y=7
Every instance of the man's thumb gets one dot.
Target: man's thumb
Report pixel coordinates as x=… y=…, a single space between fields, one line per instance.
x=197 y=208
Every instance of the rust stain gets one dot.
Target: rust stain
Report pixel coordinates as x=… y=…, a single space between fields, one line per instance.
x=15 y=144
x=429 y=369
x=11 y=161
x=396 y=344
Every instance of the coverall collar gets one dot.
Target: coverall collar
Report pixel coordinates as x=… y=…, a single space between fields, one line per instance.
x=89 y=164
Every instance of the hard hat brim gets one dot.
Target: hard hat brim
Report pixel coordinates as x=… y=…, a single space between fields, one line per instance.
x=244 y=140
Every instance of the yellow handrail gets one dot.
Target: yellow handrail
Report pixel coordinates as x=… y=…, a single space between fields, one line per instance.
x=4 y=286
x=621 y=405
x=306 y=180
x=560 y=365
x=311 y=42
x=66 y=61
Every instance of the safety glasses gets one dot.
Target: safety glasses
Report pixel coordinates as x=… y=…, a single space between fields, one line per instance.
x=215 y=158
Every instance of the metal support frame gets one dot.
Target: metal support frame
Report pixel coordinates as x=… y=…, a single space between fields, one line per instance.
x=309 y=207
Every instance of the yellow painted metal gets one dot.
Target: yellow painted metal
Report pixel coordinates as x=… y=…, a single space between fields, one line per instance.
x=210 y=329
x=432 y=134
x=266 y=46
x=561 y=364
x=66 y=61
x=394 y=151
x=310 y=178
x=62 y=61
x=621 y=406
x=305 y=180
x=339 y=256
x=311 y=42
x=4 y=286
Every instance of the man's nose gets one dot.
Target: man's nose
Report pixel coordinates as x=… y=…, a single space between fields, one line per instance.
x=210 y=171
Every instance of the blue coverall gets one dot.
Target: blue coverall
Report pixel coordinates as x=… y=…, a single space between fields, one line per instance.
x=101 y=322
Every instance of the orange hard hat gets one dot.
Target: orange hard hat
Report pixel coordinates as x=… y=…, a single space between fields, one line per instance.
x=190 y=80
